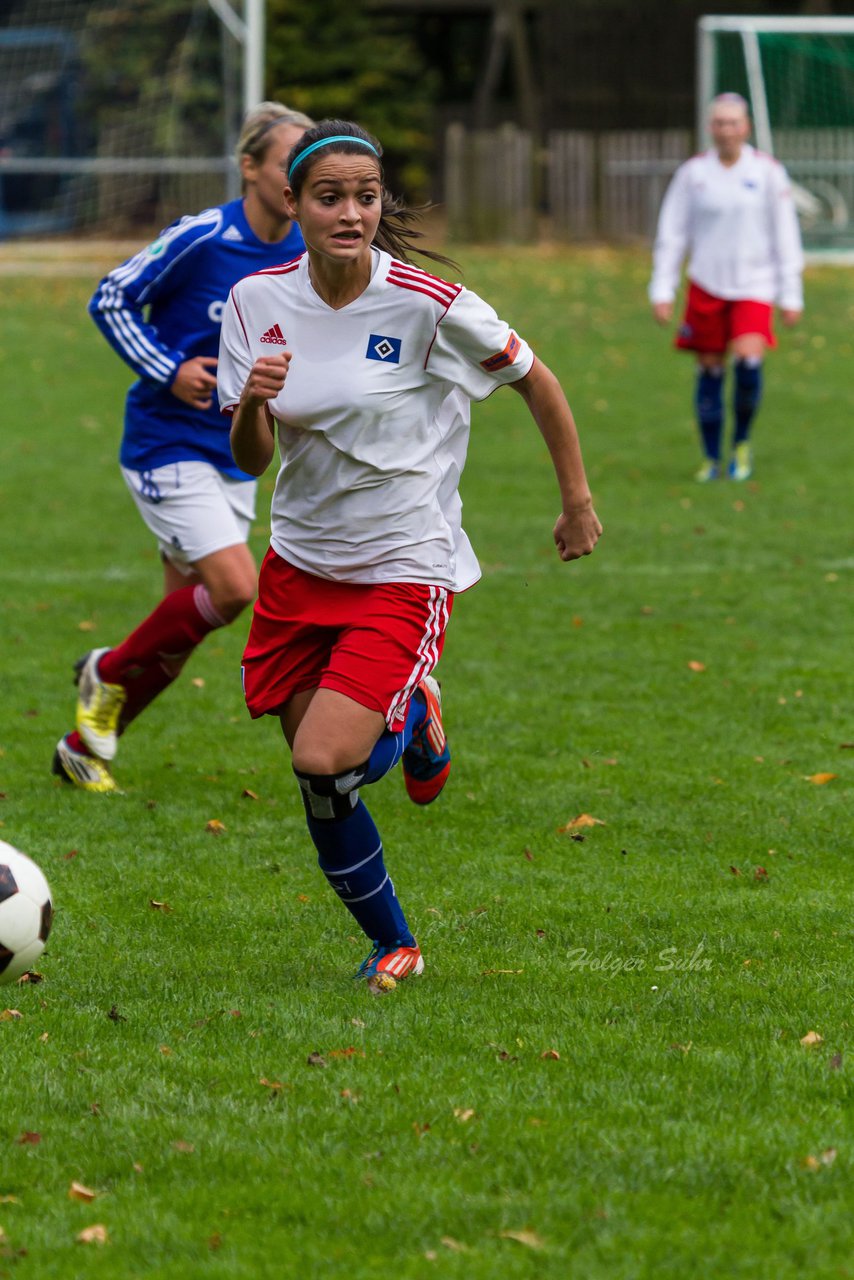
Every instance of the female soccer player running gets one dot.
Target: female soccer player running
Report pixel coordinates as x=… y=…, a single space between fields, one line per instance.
x=368 y=398
x=731 y=210
x=175 y=455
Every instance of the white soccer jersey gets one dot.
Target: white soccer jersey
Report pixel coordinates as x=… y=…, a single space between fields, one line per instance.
x=739 y=226
x=373 y=419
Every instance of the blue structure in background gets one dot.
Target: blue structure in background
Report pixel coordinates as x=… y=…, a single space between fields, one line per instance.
x=39 y=119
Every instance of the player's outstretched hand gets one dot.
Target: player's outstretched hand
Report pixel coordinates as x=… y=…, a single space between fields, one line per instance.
x=662 y=311
x=576 y=533
x=267 y=377
x=195 y=381
x=789 y=317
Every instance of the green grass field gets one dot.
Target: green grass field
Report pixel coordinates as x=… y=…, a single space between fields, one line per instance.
x=601 y=1073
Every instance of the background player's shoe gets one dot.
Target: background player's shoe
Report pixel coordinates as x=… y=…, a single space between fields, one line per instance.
x=741 y=463
x=427 y=759
x=710 y=470
x=99 y=706
x=81 y=770
x=397 y=961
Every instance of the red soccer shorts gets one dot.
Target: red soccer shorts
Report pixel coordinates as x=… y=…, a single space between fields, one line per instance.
x=710 y=324
x=372 y=642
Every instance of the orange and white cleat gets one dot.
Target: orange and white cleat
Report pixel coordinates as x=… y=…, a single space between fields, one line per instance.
x=427 y=759
x=395 y=961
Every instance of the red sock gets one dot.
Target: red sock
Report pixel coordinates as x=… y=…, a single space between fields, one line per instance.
x=144 y=688
x=170 y=633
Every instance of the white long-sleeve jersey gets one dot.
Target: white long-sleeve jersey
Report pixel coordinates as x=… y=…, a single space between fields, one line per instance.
x=738 y=225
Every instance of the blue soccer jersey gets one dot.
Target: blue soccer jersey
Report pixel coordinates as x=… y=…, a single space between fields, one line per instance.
x=164 y=306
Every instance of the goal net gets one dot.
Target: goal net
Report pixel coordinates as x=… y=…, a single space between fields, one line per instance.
x=119 y=115
x=798 y=76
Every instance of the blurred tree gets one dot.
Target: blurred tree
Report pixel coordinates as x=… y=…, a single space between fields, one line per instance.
x=337 y=58
x=179 y=107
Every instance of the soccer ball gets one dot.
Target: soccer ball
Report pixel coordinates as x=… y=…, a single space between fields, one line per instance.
x=26 y=913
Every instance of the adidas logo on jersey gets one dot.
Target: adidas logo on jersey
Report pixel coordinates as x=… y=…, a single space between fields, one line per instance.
x=275 y=335
x=231 y=233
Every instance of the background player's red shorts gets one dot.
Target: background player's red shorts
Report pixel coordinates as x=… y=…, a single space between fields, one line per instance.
x=372 y=642
x=710 y=323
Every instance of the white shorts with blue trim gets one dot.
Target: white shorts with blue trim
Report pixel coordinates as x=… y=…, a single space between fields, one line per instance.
x=192 y=509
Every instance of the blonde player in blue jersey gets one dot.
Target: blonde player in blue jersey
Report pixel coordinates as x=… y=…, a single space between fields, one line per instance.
x=161 y=311
x=362 y=367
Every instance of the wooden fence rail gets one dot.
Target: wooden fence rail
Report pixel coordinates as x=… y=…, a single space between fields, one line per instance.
x=500 y=187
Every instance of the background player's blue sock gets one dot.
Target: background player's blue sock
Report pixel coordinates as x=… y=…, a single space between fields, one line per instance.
x=709 y=405
x=350 y=854
x=748 y=393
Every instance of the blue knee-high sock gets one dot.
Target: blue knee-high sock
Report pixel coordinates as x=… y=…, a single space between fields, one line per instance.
x=709 y=404
x=350 y=854
x=389 y=747
x=748 y=393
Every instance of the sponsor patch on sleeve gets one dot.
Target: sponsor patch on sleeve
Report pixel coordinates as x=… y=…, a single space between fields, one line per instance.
x=502 y=358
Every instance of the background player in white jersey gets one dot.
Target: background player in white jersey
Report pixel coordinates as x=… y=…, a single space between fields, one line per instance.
x=368 y=398
x=162 y=312
x=731 y=210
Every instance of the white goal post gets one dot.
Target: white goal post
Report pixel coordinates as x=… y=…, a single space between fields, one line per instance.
x=798 y=75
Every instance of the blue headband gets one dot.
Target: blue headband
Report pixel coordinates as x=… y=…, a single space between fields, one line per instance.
x=324 y=142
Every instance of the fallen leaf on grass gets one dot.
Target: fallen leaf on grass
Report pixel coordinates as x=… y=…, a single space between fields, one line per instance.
x=697 y=666
x=198 y=682
x=456 y=1246
x=583 y=820
x=486 y=973
x=114 y=1014
x=77 y=1191
x=29 y=1139
x=10 y=1015
x=835 y=1062
x=31 y=977
x=96 y=1234
x=528 y=1238
x=159 y=906
x=86 y=625
x=735 y=871
x=275 y=1086
x=825 y=1160
x=215 y=1242
x=381 y=984
x=421 y=1129
x=9 y=1200
x=246 y=794
x=215 y=827
x=550 y=1053
x=464 y=1114
x=819 y=779
x=760 y=874
x=812 y=1038
x=315 y=1060
x=184 y=1148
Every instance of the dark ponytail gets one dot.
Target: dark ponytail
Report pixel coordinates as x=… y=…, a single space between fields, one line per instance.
x=397 y=232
